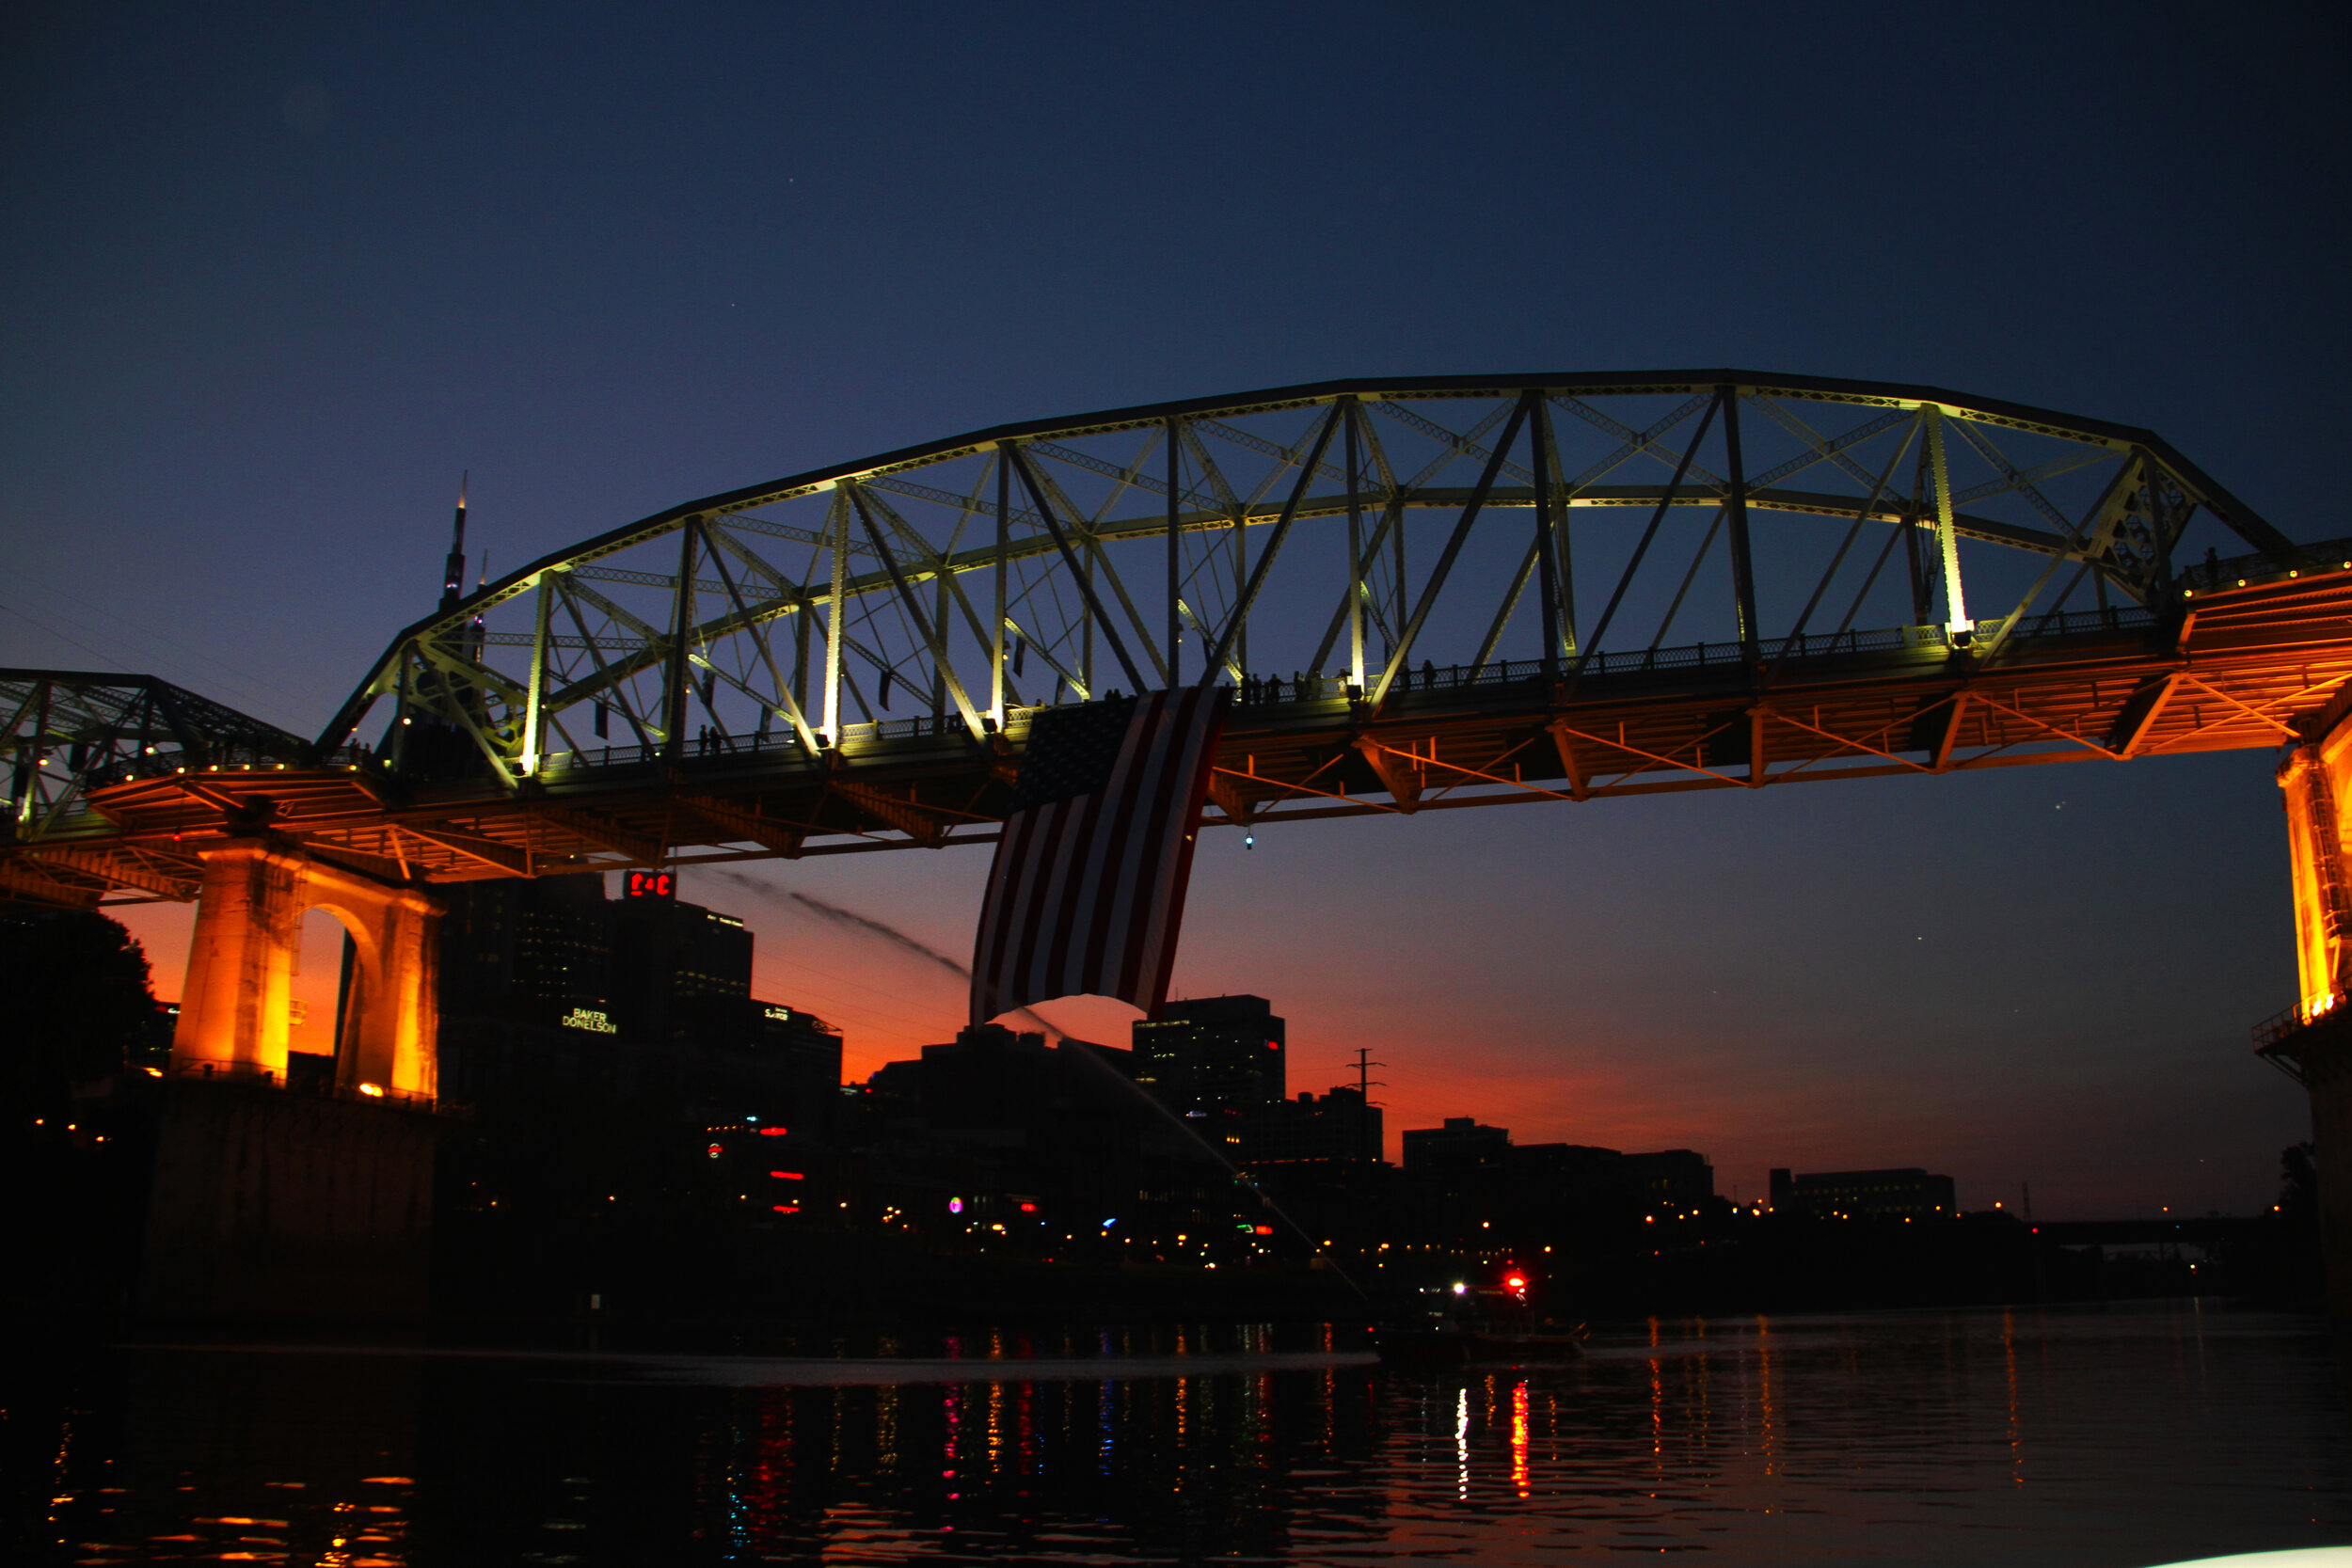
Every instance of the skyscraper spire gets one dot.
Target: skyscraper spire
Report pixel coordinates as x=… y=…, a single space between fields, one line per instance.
x=453 y=573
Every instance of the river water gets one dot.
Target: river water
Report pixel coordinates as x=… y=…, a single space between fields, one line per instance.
x=2124 y=1436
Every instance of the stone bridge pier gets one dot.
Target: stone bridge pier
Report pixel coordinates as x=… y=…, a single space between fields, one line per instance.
x=2314 y=1041
x=277 y=1201
x=234 y=1009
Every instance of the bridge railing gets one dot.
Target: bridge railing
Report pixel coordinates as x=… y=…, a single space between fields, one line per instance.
x=776 y=744
x=1256 y=692
x=2075 y=623
x=1260 y=691
x=2278 y=1039
x=2204 y=576
x=2274 y=1031
x=157 y=762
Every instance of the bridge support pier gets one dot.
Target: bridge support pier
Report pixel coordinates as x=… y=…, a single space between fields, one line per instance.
x=272 y=1202
x=234 y=1011
x=2316 y=778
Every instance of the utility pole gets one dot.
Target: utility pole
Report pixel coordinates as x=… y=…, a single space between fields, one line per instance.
x=1365 y=1083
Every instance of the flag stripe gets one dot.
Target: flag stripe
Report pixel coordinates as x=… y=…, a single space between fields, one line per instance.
x=1086 y=893
x=1006 y=877
x=1017 y=933
x=988 y=946
x=1164 y=911
x=1112 y=814
x=1143 y=870
x=1130 y=780
x=1044 y=872
x=1048 y=973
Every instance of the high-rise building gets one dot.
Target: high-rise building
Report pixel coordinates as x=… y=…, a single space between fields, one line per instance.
x=549 y=981
x=1469 y=1177
x=1463 y=1145
x=1217 y=1057
x=528 y=951
x=1335 y=1126
x=999 y=1129
x=668 y=954
x=1671 y=1181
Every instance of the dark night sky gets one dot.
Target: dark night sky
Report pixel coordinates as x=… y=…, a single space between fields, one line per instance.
x=274 y=276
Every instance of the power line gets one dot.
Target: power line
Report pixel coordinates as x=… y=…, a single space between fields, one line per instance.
x=25 y=616
x=124 y=628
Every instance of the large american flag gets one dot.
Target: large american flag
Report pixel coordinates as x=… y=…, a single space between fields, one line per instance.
x=1089 y=885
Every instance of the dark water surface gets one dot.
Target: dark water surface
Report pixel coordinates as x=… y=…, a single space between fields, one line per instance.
x=2124 y=1436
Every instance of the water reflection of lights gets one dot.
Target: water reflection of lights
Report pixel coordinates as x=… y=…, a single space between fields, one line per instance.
x=1821 y=1434
x=952 y=1408
x=2009 y=1362
x=1519 y=1437
x=1461 y=1444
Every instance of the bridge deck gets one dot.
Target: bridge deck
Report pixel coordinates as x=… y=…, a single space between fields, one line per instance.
x=2223 y=668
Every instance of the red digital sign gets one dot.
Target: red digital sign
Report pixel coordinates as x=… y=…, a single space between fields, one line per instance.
x=652 y=884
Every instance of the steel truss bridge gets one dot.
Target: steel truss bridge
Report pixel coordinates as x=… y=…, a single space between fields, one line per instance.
x=1427 y=593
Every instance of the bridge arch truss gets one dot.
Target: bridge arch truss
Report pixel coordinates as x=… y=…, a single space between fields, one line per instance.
x=1427 y=594
x=1346 y=538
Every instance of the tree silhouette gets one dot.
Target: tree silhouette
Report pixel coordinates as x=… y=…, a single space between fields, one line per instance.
x=73 y=998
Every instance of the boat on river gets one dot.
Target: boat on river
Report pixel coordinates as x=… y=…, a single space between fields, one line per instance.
x=1466 y=1325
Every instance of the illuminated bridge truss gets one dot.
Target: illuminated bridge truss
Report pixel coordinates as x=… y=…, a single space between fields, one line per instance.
x=1427 y=593
x=67 y=728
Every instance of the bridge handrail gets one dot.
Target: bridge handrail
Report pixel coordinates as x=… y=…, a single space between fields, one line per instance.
x=157 y=761
x=2204 y=577
x=1260 y=691
x=1256 y=692
x=2278 y=1027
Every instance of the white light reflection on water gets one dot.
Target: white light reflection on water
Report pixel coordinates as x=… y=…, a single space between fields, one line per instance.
x=2120 y=1437
x=1461 y=1443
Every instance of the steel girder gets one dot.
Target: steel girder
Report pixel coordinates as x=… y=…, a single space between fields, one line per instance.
x=1355 y=529
x=69 y=732
x=1429 y=594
